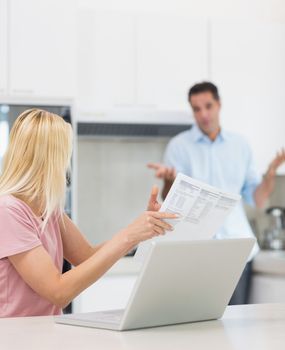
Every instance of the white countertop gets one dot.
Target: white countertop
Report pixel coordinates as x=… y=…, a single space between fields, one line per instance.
x=242 y=327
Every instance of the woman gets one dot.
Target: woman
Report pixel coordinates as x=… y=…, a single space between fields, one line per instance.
x=35 y=234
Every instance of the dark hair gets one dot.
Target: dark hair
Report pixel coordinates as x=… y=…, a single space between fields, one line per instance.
x=205 y=86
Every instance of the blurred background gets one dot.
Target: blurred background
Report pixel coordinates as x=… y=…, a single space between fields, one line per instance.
x=120 y=70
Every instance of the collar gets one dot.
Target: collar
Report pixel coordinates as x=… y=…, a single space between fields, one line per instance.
x=199 y=136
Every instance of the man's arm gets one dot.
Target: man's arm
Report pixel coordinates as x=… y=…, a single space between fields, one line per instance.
x=166 y=188
x=267 y=185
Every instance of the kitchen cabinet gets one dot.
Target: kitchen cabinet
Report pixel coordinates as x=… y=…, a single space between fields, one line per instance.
x=267 y=288
x=171 y=57
x=268 y=280
x=41 y=48
x=106 y=60
x=138 y=64
x=3 y=47
x=247 y=63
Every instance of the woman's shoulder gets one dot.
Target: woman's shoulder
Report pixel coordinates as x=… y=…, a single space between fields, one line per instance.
x=9 y=201
x=11 y=204
x=15 y=212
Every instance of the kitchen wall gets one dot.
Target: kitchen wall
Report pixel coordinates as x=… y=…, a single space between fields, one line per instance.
x=113 y=178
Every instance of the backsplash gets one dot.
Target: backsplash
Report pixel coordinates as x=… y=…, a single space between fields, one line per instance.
x=114 y=182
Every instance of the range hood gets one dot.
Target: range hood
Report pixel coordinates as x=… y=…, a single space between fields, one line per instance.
x=132 y=123
x=129 y=130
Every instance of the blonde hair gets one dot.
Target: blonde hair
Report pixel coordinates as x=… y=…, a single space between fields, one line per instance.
x=37 y=159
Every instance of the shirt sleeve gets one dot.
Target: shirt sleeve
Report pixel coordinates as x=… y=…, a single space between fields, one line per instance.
x=17 y=234
x=252 y=179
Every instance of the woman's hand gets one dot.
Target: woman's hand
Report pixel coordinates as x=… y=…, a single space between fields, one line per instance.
x=153 y=204
x=146 y=226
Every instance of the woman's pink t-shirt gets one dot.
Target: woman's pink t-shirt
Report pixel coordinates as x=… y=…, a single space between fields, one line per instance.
x=20 y=232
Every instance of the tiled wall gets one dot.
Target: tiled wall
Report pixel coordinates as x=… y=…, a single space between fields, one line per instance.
x=114 y=182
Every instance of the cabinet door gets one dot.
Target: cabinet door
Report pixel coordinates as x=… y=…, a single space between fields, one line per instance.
x=172 y=56
x=42 y=48
x=248 y=67
x=267 y=288
x=106 y=62
x=3 y=46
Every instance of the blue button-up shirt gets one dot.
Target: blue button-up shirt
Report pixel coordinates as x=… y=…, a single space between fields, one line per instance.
x=226 y=163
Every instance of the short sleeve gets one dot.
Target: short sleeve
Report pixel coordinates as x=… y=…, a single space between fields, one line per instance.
x=17 y=233
x=252 y=179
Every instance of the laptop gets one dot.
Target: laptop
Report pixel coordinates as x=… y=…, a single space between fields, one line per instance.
x=180 y=282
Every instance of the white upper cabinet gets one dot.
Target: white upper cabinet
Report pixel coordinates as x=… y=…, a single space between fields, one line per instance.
x=42 y=48
x=3 y=47
x=247 y=63
x=106 y=61
x=172 y=56
x=134 y=63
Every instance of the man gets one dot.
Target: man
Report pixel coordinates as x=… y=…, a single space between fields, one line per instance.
x=210 y=154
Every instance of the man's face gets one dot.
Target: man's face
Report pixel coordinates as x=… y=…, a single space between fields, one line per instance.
x=206 y=112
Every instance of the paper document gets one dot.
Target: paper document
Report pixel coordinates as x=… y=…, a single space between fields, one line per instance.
x=202 y=209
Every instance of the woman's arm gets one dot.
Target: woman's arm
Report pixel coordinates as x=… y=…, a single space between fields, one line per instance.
x=39 y=272
x=76 y=247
